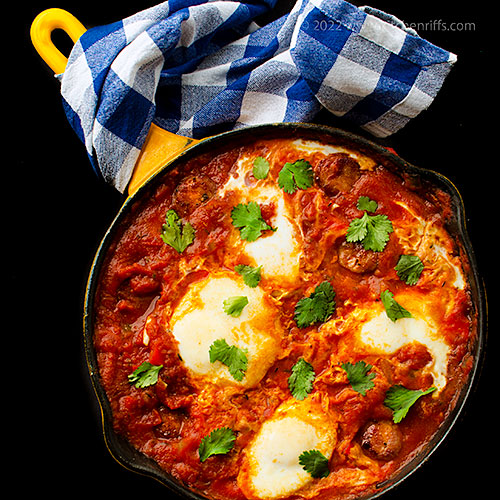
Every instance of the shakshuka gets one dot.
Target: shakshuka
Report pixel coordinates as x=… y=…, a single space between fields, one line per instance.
x=284 y=319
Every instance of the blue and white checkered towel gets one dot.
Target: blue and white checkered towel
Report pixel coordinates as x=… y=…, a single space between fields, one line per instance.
x=197 y=67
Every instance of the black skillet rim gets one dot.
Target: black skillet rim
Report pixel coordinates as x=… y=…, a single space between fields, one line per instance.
x=135 y=461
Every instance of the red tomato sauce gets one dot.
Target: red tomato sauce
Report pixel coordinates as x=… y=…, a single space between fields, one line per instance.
x=142 y=278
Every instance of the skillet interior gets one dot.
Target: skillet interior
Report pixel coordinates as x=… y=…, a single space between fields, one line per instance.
x=129 y=457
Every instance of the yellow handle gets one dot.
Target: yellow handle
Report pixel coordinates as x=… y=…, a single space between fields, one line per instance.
x=160 y=146
x=41 y=30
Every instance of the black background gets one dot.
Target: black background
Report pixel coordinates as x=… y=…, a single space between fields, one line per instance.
x=55 y=212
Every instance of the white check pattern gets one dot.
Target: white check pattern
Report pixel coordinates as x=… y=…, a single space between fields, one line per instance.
x=198 y=67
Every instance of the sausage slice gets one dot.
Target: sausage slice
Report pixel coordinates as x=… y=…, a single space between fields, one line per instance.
x=192 y=192
x=355 y=258
x=337 y=173
x=381 y=439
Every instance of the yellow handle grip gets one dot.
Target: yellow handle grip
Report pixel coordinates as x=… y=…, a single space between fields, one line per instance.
x=160 y=146
x=41 y=30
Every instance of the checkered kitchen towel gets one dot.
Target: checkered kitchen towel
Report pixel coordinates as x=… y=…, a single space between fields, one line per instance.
x=197 y=68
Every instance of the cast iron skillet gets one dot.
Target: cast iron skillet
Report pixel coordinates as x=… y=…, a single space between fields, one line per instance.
x=132 y=459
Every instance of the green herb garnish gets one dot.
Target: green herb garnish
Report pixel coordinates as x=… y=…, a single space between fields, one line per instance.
x=301 y=380
x=260 y=168
x=314 y=462
x=145 y=375
x=175 y=234
x=251 y=275
x=399 y=399
x=364 y=203
x=234 y=305
x=409 y=268
x=318 y=307
x=394 y=310
x=218 y=442
x=358 y=376
x=231 y=356
x=296 y=175
x=248 y=218
x=372 y=231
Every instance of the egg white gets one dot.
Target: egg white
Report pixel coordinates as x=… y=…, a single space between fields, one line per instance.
x=200 y=319
x=376 y=333
x=279 y=252
x=272 y=469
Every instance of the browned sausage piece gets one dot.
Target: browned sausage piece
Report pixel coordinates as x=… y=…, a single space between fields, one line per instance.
x=381 y=439
x=337 y=173
x=192 y=192
x=355 y=258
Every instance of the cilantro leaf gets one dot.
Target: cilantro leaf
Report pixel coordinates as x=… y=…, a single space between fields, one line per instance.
x=318 y=307
x=300 y=382
x=358 y=229
x=358 y=376
x=251 y=275
x=174 y=234
x=409 y=268
x=248 y=218
x=145 y=375
x=314 y=462
x=231 y=356
x=218 y=442
x=399 y=399
x=235 y=305
x=364 y=203
x=293 y=176
x=371 y=230
x=394 y=310
x=260 y=168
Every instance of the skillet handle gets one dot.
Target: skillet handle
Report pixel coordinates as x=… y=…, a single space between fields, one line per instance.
x=41 y=30
x=160 y=145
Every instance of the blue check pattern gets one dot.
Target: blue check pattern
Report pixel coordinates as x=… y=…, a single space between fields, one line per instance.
x=197 y=68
